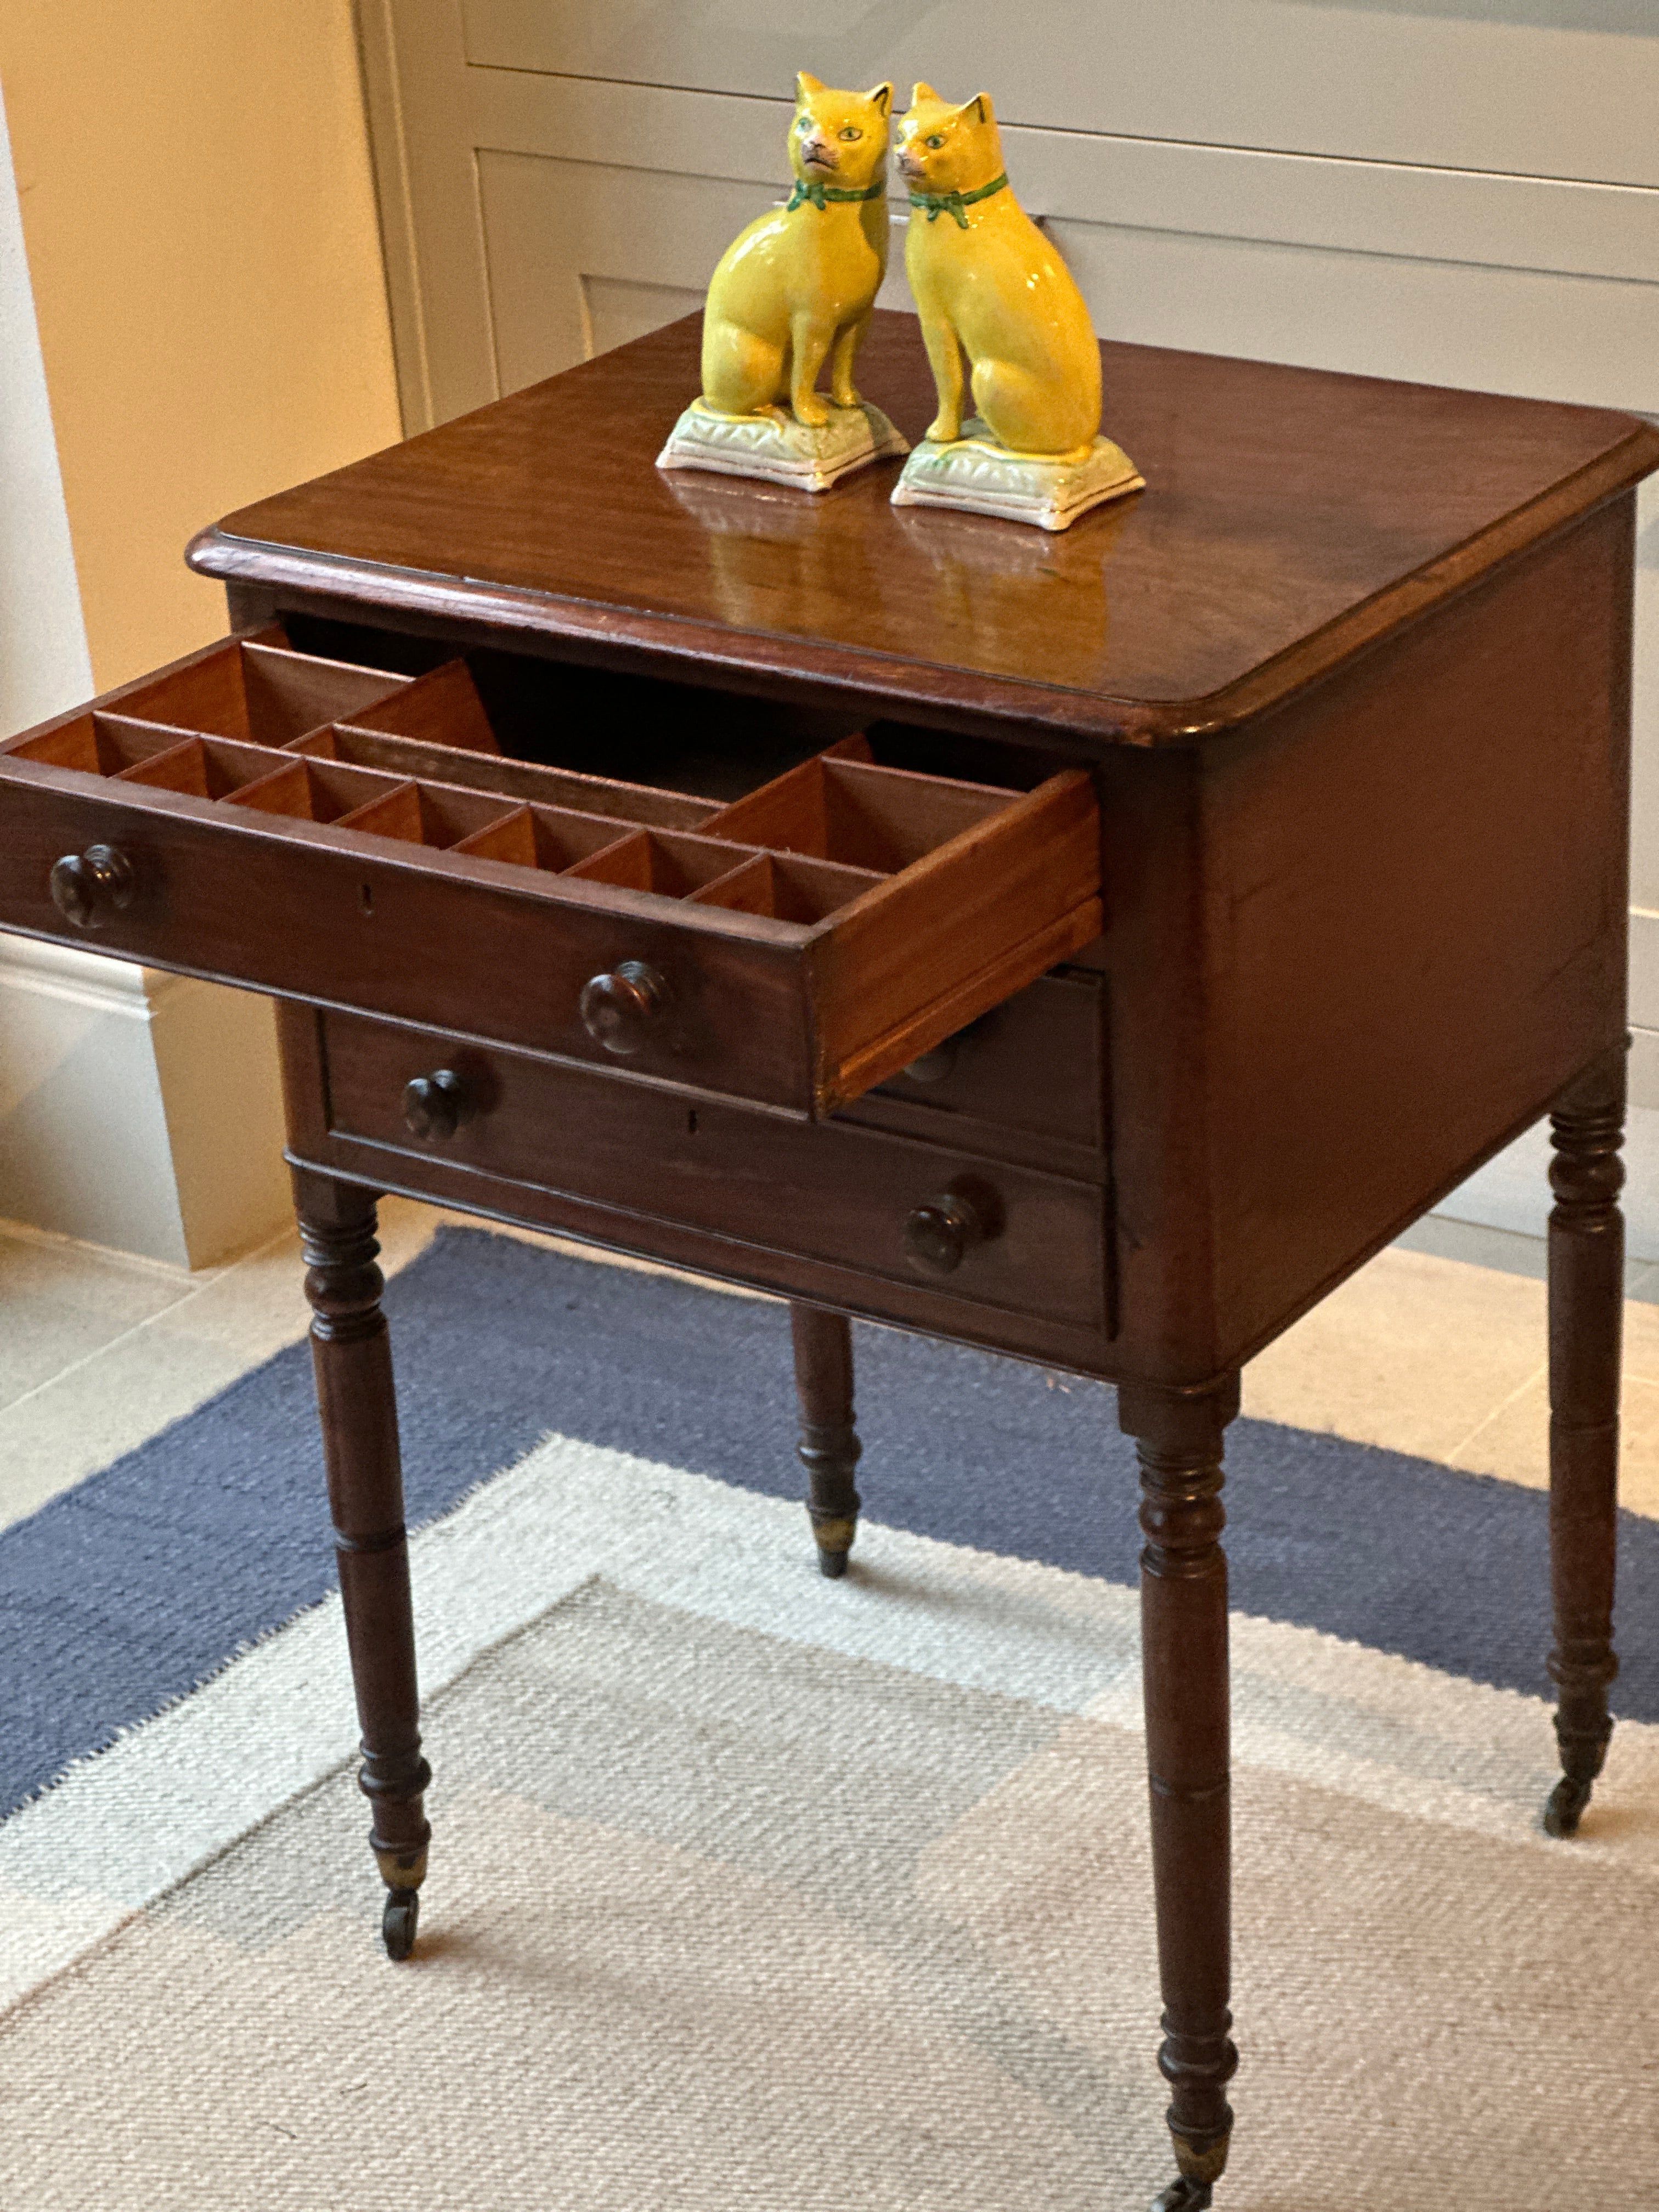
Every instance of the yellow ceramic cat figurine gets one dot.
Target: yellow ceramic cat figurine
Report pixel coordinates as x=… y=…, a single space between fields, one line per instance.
x=791 y=293
x=988 y=282
x=796 y=287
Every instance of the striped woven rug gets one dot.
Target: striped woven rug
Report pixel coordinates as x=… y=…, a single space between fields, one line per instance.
x=753 y=1889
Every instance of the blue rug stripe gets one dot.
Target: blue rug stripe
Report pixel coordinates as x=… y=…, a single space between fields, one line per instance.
x=124 y=1595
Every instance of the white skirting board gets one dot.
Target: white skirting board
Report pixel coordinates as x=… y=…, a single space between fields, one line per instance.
x=138 y=1111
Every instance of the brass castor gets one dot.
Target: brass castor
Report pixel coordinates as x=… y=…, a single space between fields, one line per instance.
x=1185 y=2195
x=1566 y=1806
x=834 y=1529
x=829 y=1449
x=399 y=1921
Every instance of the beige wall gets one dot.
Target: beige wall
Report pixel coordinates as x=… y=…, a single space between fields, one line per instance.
x=43 y=644
x=206 y=262
x=201 y=237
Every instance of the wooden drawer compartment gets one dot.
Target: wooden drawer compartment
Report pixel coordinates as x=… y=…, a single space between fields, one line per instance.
x=793 y=948
x=834 y=1193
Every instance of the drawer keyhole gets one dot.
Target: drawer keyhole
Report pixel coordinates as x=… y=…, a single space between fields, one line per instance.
x=941 y=1231
x=435 y=1106
x=87 y=887
x=624 y=1010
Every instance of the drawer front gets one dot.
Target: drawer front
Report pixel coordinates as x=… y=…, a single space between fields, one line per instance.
x=1033 y=1244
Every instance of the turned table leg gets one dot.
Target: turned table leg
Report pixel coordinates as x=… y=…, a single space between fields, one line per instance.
x=1586 y=1294
x=352 y=1354
x=1183 y=1611
x=829 y=1448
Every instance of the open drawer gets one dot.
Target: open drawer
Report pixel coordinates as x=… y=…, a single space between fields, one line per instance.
x=353 y=838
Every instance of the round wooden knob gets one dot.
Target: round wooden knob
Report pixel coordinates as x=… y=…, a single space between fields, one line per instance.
x=624 y=1010
x=942 y=1230
x=87 y=887
x=435 y=1106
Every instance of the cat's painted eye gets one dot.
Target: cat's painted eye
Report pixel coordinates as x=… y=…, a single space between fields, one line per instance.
x=935 y=141
x=851 y=131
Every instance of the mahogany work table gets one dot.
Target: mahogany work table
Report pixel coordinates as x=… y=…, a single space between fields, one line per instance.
x=1093 y=947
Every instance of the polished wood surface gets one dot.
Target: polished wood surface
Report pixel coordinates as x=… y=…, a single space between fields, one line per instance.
x=1291 y=516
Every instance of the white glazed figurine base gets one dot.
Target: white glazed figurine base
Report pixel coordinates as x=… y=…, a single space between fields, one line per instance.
x=778 y=448
x=975 y=473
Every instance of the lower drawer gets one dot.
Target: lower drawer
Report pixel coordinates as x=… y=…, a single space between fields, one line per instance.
x=984 y=1232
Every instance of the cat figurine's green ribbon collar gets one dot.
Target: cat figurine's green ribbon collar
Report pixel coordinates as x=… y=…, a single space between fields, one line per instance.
x=955 y=204
x=821 y=195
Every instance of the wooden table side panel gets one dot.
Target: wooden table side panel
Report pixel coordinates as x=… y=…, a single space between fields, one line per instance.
x=1415 y=895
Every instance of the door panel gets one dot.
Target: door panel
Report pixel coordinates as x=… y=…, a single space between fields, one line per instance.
x=1534 y=88
x=618 y=310
x=582 y=256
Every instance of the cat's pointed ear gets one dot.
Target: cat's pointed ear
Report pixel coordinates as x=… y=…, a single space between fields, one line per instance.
x=920 y=91
x=978 y=108
x=806 y=85
x=880 y=96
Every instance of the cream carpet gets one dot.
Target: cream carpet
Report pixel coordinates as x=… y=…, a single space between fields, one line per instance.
x=751 y=1890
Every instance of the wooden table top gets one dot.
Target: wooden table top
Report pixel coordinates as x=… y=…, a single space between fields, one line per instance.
x=1291 y=516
